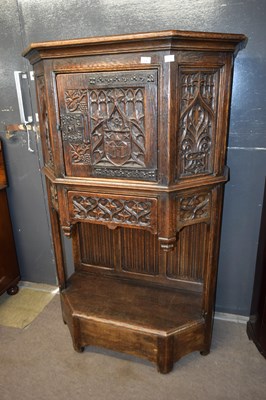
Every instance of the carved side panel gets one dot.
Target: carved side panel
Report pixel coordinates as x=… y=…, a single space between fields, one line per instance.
x=73 y=134
x=198 y=113
x=110 y=124
x=114 y=210
x=44 y=127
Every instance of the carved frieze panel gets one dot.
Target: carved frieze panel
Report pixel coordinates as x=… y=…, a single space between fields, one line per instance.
x=125 y=78
x=193 y=208
x=139 y=174
x=198 y=107
x=114 y=210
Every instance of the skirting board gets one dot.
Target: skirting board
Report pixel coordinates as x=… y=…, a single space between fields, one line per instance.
x=240 y=319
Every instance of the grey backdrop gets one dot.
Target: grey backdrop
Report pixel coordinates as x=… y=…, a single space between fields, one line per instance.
x=26 y=21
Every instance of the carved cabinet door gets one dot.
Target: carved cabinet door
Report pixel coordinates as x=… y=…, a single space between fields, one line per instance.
x=108 y=123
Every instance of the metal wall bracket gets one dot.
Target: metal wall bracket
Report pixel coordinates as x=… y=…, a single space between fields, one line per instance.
x=19 y=78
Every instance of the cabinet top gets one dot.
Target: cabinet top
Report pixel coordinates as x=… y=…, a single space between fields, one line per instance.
x=147 y=41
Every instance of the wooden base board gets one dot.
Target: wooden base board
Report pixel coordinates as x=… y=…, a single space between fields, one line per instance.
x=158 y=324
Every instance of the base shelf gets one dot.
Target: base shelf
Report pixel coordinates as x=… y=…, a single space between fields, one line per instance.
x=157 y=323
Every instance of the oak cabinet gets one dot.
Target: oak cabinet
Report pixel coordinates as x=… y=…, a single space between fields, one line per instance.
x=134 y=131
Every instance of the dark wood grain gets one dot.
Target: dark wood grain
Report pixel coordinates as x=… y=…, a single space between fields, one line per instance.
x=125 y=316
x=134 y=152
x=125 y=43
x=189 y=256
x=9 y=269
x=256 y=327
x=98 y=245
x=3 y=179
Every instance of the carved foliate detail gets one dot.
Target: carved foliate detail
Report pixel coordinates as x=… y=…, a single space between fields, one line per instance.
x=54 y=196
x=80 y=153
x=110 y=210
x=194 y=207
x=197 y=118
x=76 y=100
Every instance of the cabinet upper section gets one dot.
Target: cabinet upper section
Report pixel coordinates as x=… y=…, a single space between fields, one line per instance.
x=150 y=107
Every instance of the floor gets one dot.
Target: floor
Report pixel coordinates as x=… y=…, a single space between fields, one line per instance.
x=39 y=363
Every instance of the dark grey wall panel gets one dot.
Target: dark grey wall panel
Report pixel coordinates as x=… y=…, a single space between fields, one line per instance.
x=240 y=229
x=10 y=60
x=49 y=19
x=248 y=117
x=25 y=192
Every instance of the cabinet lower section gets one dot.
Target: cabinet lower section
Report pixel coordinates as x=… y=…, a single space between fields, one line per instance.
x=152 y=322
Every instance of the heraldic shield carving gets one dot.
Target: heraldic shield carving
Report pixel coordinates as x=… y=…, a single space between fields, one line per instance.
x=118 y=136
x=117 y=143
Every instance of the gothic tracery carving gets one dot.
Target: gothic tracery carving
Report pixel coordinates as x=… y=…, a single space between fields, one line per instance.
x=197 y=108
x=130 y=212
x=117 y=126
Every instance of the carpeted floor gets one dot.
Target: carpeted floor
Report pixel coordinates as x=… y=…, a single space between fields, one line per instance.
x=39 y=363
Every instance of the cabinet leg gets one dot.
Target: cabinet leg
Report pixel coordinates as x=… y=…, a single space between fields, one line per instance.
x=13 y=290
x=165 y=367
x=78 y=348
x=205 y=352
x=165 y=361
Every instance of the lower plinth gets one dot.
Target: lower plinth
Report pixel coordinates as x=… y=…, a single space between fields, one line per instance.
x=156 y=323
